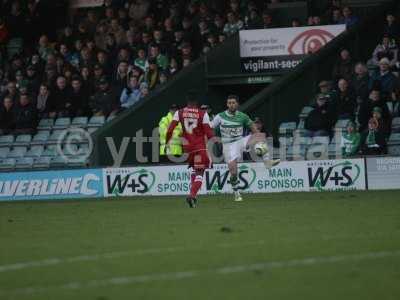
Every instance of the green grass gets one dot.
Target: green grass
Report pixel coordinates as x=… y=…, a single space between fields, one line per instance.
x=160 y=249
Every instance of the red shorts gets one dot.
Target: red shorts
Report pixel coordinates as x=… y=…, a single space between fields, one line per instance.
x=199 y=159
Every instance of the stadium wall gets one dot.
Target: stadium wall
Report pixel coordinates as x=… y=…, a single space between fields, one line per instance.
x=378 y=173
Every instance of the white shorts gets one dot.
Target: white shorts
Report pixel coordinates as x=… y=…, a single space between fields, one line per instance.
x=234 y=151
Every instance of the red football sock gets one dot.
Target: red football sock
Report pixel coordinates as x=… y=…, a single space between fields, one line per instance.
x=196 y=183
x=192 y=178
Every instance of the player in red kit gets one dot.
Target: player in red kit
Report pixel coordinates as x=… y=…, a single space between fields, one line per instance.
x=196 y=128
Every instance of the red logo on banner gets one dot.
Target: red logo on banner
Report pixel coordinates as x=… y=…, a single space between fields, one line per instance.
x=310 y=41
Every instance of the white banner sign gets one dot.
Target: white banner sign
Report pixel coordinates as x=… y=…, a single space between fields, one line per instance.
x=383 y=173
x=86 y=3
x=265 y=50
x=294 y=176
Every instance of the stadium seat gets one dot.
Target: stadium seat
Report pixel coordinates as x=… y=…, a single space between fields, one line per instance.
x=55 y=137
x=318 y=151
x=334 y=151
x=50 y=151
x=6 y=140
x=79 y=122
x=396 y=125
x=40 y=138
x=84 y=149
x=298 y=133
x=4 y=152
x=340 y=125
x=23 y=140
x=7 y=164
x=324 y=140
x=394 y=144
x=62 y=123
x=287 y=141
x=35 y=151
x=17 y=152
x=24 y=163
x=96 y=121
x=305 y=112
x=110 y=118
x=92 y=129
x=286 y=129
x=45 y=124
x=41 y=163
x=70 y=150
x=58 y=162
x=306 y=141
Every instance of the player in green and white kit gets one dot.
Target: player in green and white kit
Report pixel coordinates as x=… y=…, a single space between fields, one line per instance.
x=232 y=124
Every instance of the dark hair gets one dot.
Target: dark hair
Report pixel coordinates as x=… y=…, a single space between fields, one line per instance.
x=191 y=98
x=233 y=97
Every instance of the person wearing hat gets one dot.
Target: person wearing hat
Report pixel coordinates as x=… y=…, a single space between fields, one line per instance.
x=383 y=78
x=175 y=145
x=350 y=142
x=320 y=121
x=373 y=141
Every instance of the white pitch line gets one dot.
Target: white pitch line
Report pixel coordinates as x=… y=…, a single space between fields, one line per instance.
x=176 y=276
x=112 y=255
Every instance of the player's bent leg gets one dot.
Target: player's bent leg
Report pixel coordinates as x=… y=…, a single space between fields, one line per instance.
x=268 y=160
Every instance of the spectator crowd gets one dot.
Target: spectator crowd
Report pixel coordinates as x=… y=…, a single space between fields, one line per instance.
x=367 y=94
x=107 y=59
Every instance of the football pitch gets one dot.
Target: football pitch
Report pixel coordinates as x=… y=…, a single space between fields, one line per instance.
x=278 y=246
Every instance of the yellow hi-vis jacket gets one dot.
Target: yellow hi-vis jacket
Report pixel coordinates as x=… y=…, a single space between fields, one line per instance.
x=175 y=144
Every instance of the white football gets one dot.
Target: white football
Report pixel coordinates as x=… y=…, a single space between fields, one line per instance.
x=261 y=148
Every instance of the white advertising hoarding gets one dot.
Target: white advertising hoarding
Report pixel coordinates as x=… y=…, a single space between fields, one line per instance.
x=265 y=50
x=383 y=173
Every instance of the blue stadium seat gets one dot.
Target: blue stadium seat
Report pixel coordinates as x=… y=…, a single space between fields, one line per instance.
x=17 y=152
x=396 y=125
x=45 y=124
x=41 y=163
x=6 y=140
x=394 y=144
x=24 y=163
x=50 y=151
x=58 y=162
x=7 y=164
x=287 y=129
x=55 y=136
x=79 y=122
x=4 y=152
x=62 y=123
x=40 y=138
x=96 y=121
x=35 y=151
x=23 y=140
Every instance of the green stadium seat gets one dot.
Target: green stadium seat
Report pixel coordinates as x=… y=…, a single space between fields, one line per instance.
x=79 y=122
x=7 y=164
x=45 y=124
x=41 y=163
x=62 y=123
x=23 y=140
x=35 y=151
x=24 y=163
x=17 y=152
x=96 y=121
x=6 y=140
x=4 y=152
